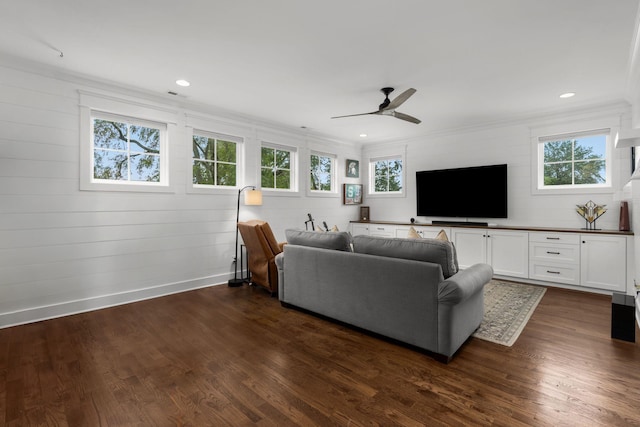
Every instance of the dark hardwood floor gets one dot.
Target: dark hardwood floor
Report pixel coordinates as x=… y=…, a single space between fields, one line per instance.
x=233 y=356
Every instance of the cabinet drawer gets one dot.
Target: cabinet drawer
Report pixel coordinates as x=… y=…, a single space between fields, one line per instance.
x=554 y=253
x=548 y=272
x=567 y=238
x=382 y=230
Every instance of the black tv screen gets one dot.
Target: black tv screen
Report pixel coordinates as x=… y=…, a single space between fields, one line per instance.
x=473 y=192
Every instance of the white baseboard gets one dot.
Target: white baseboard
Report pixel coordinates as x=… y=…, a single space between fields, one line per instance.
x=36 y=314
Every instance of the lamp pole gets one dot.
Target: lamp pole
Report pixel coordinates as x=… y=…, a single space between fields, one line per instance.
x=235 y=281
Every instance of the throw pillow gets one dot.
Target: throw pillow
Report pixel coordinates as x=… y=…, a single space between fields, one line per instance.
x=413 y=234
x=319 y=229
x=335 y=228
x=442 y=235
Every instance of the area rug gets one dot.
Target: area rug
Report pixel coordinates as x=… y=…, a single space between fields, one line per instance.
x=507 y=309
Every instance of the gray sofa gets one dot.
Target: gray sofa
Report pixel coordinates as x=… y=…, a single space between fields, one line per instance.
x=409 y=290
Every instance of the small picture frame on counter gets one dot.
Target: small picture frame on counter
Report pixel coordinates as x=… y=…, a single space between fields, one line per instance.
x=364 y=213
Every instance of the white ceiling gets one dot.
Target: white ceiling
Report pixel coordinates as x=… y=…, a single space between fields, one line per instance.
x=297 y=63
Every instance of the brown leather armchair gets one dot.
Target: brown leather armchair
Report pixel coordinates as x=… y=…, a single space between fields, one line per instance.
x=262 y=248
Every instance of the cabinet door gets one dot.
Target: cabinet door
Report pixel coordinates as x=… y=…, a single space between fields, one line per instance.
x=471 y=245
x=603 y=262
x=357 y=229
x=508 y=252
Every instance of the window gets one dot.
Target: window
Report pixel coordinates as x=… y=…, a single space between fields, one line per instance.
x=128 y=150
x=322 y=173
x=386 y=175
x=277 y=167
x=215 y=159
x=578 y=160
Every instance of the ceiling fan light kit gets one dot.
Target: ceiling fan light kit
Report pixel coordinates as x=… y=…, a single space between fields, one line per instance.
x=388 y=107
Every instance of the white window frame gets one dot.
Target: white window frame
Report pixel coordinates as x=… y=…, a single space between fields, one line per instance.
x=97 y=105
x=334 y=187
x=239 y=142
x=293 y=168
x=539 y=137
x=372 y=161
x=162 y=156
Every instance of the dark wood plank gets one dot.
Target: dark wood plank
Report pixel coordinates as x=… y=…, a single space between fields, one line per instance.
x=234 y=356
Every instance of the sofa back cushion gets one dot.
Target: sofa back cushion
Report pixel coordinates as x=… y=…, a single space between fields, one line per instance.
x=340 y=240
x=429 y=250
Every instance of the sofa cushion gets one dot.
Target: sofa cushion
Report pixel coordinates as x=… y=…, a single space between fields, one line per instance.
x=429 y=250
x=340 y=240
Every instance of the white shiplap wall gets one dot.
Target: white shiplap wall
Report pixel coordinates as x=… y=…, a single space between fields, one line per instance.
x=63 y=250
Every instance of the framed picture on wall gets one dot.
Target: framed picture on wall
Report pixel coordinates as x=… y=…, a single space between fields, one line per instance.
x=351 y=194
x=353 y=168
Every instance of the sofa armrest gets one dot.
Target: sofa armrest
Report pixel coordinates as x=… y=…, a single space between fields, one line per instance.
x=464 y=284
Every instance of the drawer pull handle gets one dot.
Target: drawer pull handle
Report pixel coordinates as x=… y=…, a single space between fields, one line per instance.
x=553 y=238
x=553 y=272
x=553 y=253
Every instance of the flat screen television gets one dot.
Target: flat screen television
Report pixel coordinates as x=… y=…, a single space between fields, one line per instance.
x=472 y=192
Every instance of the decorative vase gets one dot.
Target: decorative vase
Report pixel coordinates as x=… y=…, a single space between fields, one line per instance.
x=623 y=225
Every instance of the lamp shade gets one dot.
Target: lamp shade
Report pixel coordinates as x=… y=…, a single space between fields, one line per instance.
x=253 y=198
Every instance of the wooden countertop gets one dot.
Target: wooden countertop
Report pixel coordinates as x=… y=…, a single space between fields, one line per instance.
x=501 y=227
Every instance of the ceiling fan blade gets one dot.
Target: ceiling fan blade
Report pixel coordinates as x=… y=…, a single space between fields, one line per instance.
x=400 y=99
x=406 y=117
x=354 y=115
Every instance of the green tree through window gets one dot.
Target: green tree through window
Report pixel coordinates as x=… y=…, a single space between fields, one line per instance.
x=387 y=175
x=275 y=168
x=321 y=172
x=575 y=161
x=214 y=161
x=125 y=151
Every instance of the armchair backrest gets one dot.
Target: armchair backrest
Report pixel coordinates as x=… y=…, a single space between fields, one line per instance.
x=262 y=249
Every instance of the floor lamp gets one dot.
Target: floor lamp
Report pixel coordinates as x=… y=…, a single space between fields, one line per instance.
x=252 y=197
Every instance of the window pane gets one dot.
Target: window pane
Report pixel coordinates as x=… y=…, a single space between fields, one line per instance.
x=226 y=151
x=558 y=151
x=145 y=167
x=320 y=173
x=268 y=157
x=226 y=174
x=144 y=140
x=110 y=165
x=381 y=176
x=283 y=179
x=107 y=134
x=590 y=172
x=200 y=147
x=395 y=183
x=267 y=179
x=557 y=174
x=203 y=172
x=283 y=159
x=590 y=147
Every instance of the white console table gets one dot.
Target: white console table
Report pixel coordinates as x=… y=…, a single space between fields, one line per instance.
x=590 y=260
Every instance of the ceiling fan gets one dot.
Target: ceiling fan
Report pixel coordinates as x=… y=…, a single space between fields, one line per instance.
x=388 y=107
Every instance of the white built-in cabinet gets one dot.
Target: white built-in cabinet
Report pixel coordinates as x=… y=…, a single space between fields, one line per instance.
x=603 y=262
x=506 y=251
x=589 y=261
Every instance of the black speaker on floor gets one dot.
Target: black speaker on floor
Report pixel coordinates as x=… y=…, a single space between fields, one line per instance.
x=623 y=321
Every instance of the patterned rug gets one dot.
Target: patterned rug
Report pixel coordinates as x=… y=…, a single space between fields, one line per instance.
x=507 y=309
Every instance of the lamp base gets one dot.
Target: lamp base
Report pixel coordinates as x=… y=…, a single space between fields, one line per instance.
x=234 y=283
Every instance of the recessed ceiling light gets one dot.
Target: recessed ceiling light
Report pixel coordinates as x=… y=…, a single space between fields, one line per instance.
x=183 y=83
x=567 y=95
x=363 y=135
